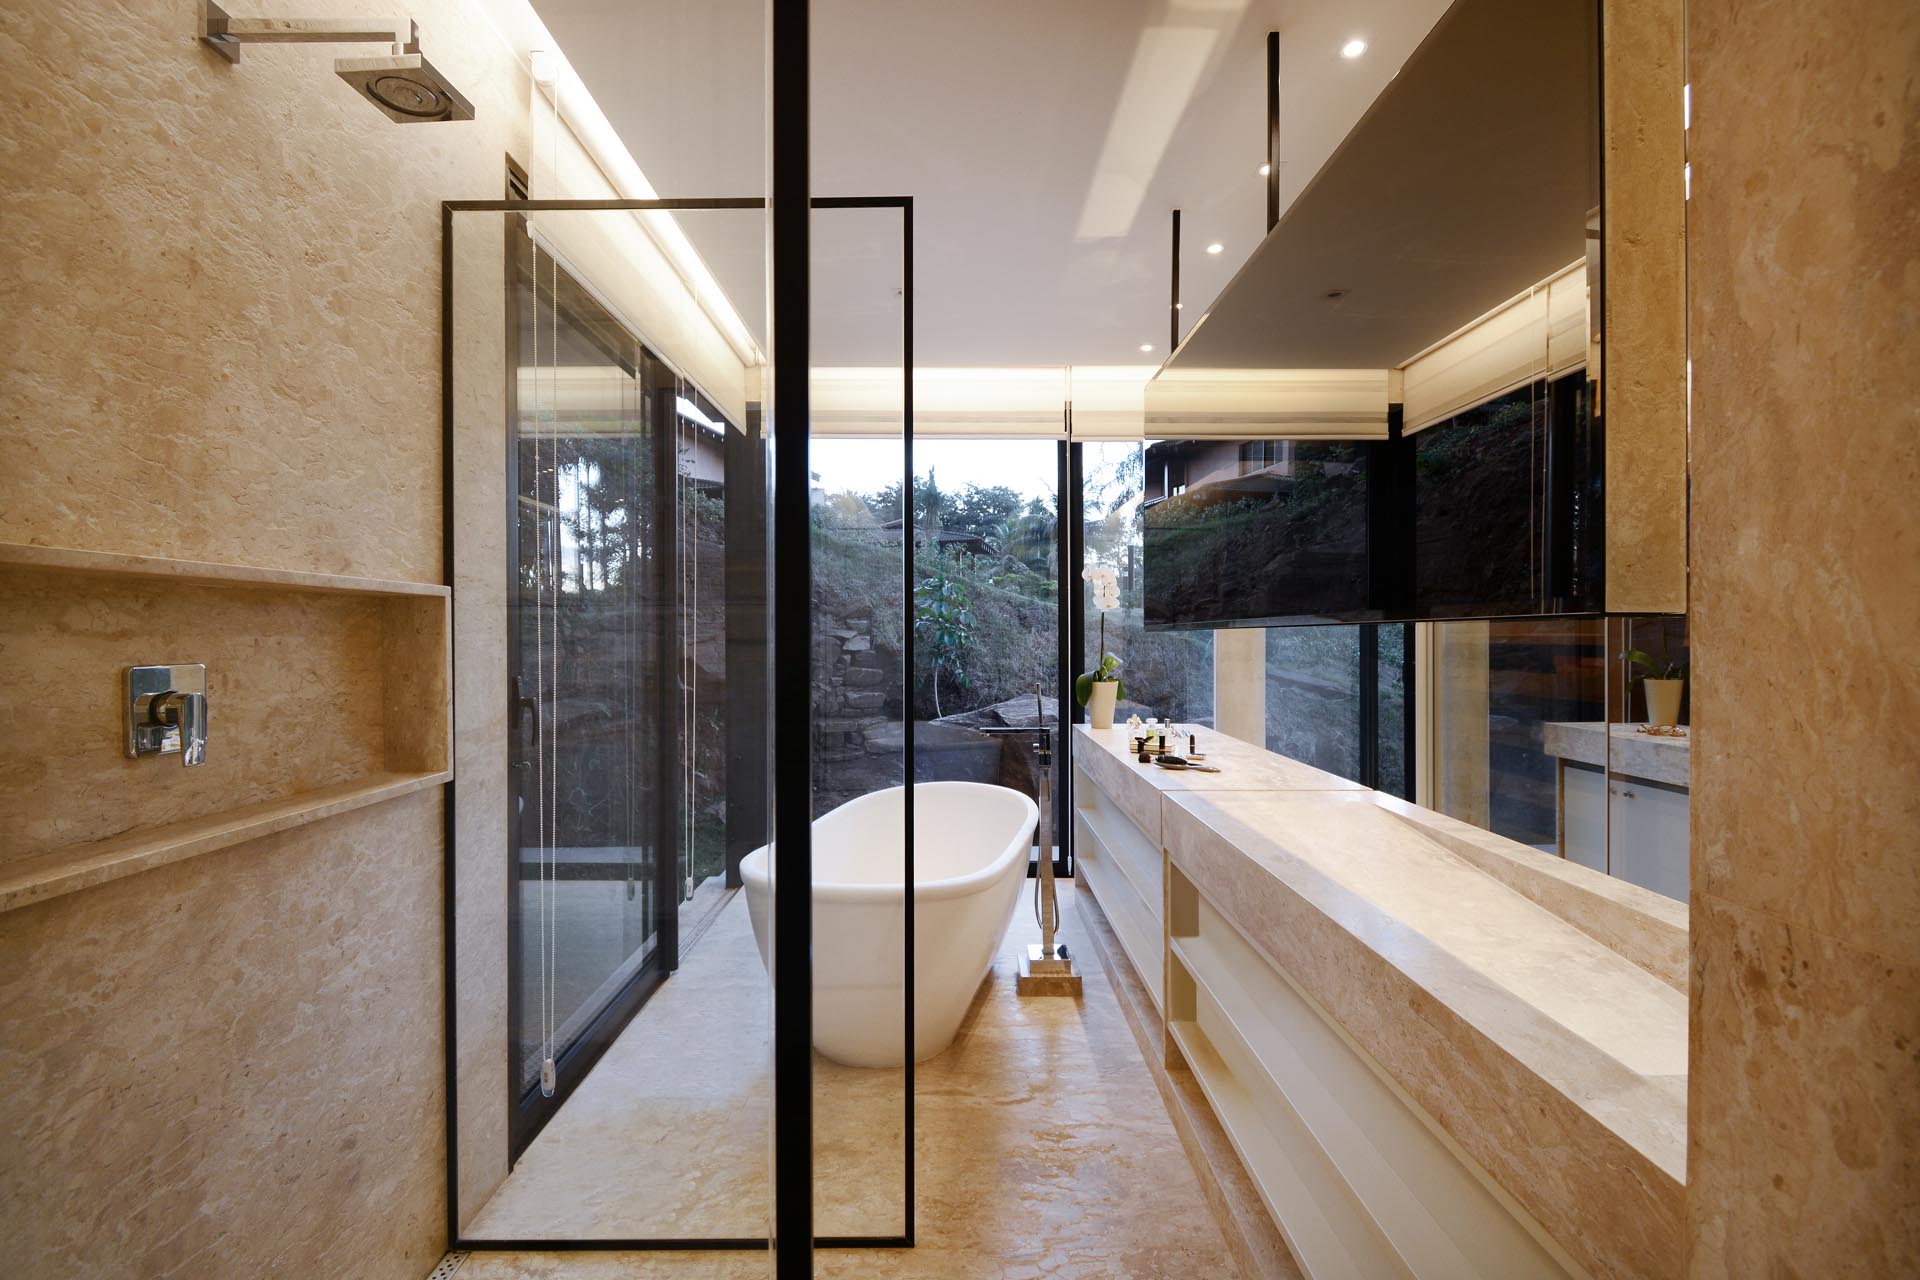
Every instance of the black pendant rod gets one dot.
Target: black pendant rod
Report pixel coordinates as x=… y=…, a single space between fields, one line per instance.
x=1273 y=129
x=1173 y=309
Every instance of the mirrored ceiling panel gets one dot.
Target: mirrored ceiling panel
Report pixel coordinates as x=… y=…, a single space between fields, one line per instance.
x=1473 y=177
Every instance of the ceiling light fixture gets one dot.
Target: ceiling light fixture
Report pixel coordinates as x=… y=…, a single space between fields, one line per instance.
x=1146 y=346
x=1353 y=48
x=1215 y=247
x=1265 y=169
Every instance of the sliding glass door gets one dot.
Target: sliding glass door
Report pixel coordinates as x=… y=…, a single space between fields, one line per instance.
x=594 y=689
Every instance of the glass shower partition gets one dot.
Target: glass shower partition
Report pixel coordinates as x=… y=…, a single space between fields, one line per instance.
x=866 y=954
x=610 y=863
x=609 y=1051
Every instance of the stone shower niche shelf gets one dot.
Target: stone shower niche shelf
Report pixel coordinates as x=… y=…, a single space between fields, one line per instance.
x=20 y=555
x=64 y=871
x=326 y=694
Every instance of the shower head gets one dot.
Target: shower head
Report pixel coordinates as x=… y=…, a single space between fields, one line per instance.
x=405 y=86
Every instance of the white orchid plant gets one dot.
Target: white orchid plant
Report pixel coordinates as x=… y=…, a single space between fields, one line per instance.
x=1105 y=587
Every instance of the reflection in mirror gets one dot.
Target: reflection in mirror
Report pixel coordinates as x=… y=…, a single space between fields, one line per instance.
x=1570 y=735
x=1649 y=754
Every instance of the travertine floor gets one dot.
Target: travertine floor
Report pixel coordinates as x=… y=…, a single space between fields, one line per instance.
x=1044 y=1148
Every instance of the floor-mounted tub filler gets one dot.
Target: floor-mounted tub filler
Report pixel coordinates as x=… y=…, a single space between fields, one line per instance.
x=1045 y=968
x=972 y=842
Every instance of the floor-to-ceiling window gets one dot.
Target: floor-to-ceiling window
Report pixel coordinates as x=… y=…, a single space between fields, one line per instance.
x=1336 y=697
x=985 y=610
x=1164 y=673
x=1313 y=696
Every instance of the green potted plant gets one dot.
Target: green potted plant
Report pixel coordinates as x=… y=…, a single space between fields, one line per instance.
x=1664 y=681
x=1097 y=690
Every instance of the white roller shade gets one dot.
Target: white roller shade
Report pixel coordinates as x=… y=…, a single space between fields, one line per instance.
x=1294 y=404
x=985 y=403
x=1567 y=322
x=579 y=393
x=1542 y=331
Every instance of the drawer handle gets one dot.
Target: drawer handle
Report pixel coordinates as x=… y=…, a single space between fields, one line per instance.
x=1624 y=795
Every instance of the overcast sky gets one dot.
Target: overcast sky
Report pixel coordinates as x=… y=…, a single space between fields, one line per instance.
x=1028 y=467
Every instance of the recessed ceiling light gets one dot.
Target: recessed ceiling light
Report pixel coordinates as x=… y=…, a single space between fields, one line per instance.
x=1265 y=169
x=1215 y=247
x=1146 y=346
x=1353 y=48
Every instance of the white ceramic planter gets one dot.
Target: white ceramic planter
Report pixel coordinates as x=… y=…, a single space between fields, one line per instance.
x=1100 y=705
x=1663 y=700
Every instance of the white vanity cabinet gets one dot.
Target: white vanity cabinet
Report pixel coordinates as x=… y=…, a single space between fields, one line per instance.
x=1632 y=822
x=1365 y=992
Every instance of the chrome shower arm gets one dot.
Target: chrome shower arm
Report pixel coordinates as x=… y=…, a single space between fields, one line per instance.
x=226 y=33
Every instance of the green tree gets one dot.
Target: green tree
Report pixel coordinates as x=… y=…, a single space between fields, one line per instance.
x=943 y=624
x=979 y=511
x=1029 y=538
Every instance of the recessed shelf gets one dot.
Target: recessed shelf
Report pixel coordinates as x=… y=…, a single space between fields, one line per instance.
x=325 y=693
x=1412 y=1200
x=1135 y=921
x=1315 y=1241
x=63 y=871
x=1137 y=853
x=20 y=555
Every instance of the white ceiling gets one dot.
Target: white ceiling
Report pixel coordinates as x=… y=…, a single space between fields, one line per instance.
x=1045 y=143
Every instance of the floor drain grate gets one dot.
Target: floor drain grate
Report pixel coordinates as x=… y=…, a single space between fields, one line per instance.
x=448 y=1265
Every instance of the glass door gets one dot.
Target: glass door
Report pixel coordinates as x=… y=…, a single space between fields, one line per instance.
x=593 y=690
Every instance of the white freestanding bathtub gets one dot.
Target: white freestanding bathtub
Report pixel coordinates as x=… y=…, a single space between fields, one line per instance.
x=971 y=843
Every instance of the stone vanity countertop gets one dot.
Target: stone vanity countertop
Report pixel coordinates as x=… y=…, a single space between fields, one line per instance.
x=1636 y=754
x=1137 y=787
x=1243 y=766
x=1554 y=1060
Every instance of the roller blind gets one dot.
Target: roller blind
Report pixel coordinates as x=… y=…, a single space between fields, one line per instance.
x=1294 y=404
x=987 y=403
x=1540 y=332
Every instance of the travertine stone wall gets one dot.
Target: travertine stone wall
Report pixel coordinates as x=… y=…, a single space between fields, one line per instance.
x=1644 y=359
x=229 y=1066
x=221 y=341
x=221 y=338
x=480 y=706
x=1240 y=684
x=1804 y=1124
